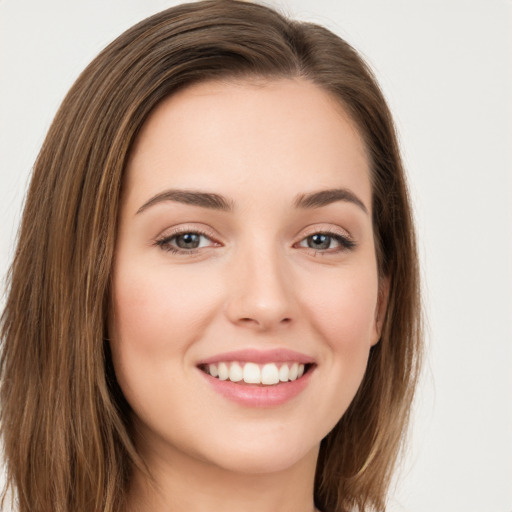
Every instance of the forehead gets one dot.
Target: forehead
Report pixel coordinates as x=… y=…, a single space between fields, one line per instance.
x=281 y=133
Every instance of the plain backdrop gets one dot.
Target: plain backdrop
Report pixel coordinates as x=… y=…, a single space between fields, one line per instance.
x=446 y=69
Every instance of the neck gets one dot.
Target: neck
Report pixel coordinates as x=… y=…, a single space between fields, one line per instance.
x=180 y=482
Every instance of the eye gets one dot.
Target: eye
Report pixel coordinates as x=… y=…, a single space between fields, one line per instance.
x=186 y=242
x=189 y=240
x=333 y=242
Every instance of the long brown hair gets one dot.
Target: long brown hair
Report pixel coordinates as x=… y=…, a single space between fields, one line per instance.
x=64 y=421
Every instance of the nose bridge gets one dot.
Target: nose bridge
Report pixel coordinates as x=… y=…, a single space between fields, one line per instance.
x=261 y=294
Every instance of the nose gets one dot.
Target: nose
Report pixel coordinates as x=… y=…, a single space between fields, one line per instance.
x=261 y=295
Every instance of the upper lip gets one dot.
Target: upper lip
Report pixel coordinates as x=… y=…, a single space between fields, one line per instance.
x=278 y=355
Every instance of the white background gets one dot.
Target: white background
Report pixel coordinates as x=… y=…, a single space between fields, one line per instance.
x=446 y=69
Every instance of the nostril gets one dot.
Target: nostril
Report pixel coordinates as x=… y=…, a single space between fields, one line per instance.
x=263 y=322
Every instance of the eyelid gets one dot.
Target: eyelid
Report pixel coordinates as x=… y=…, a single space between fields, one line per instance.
x=328 y=230
x=189 y=227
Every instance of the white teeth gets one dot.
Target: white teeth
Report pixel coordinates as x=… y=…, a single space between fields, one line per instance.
x=251 y=373
x=223 y=371
x=269 y=374
x=294 y=370
x=214 y=372
x=236 y=373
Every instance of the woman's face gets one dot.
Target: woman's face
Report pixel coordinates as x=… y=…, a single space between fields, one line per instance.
x=245 y=255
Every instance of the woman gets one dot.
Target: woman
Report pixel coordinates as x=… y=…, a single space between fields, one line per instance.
x=214 y=302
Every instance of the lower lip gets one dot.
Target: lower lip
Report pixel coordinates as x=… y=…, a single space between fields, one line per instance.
x=259 y=396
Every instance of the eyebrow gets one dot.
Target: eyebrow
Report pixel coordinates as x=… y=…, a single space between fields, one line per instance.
x=326 y=197
x=192 y=197
x=214 y=201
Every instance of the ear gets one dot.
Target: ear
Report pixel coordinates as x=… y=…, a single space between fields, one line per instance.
x=380 y=309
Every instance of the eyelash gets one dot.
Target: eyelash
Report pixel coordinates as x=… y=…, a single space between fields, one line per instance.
x=345 y=243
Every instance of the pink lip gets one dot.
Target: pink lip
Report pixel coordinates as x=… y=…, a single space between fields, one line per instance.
x=251 y=395
x=259 y=356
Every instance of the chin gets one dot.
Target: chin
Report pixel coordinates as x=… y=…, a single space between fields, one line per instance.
x=271 y=460
x=257 y=449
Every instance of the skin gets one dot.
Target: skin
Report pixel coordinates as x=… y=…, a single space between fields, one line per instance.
x=254 y=282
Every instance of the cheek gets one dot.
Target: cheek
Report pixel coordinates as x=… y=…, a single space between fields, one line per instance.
x=344 y=310
x=152 y=308
x=155 y=319
x=343 y=317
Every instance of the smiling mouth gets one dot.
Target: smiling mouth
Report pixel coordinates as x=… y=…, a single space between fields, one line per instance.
x=268 y=374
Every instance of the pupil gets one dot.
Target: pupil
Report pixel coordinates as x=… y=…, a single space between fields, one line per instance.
x=319 y=241
x=188 y=241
